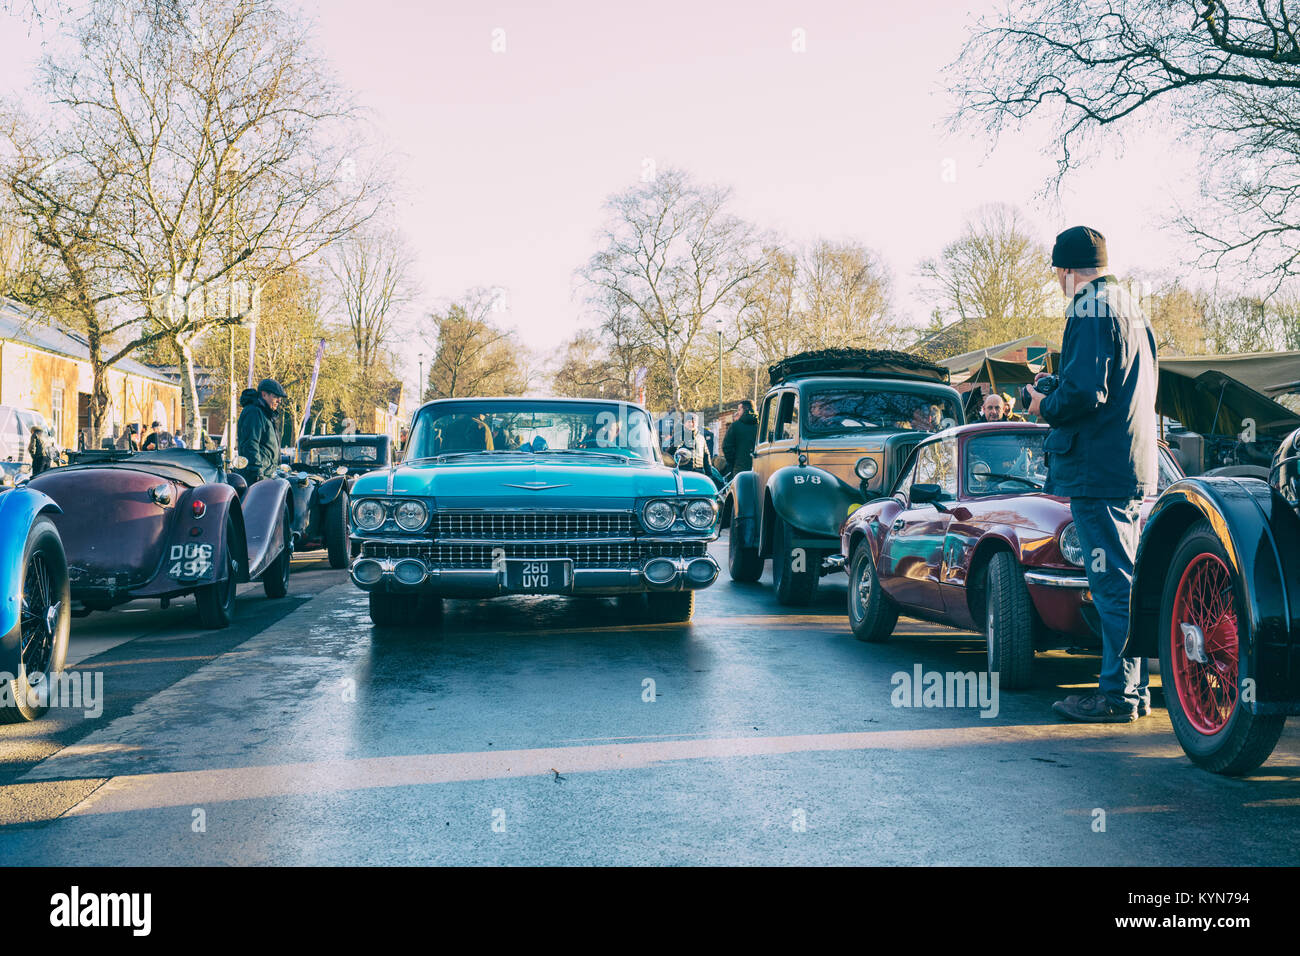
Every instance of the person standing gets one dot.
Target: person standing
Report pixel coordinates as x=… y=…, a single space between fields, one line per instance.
x=39 y=453
x=738 y=443
x=1101 y=454
x=258 y=430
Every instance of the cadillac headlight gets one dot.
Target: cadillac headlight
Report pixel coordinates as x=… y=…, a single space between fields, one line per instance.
x=368 y=515
x=658 y=515
x=700 y=513
x=411 y=515
x=1071 y=548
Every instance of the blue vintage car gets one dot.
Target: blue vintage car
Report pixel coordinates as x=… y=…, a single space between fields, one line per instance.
x=34 y=602
x=531 y=496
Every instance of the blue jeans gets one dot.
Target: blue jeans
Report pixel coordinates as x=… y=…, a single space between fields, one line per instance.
x=1108 y=532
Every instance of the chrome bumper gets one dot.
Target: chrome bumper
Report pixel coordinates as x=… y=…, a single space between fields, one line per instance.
x=415 y=574
x=1056 y=580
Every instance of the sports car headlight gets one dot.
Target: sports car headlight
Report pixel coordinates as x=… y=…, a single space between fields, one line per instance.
x=1071 y=548
x=368 y=515
x=700 y=513
x=411 y=515
x=658 y=515
x=865 y=468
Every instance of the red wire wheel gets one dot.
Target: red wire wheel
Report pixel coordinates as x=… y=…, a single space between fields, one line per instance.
x=1207 y=689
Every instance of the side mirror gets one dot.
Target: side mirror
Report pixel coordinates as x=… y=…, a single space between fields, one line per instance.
x=927 y=495
x=683 y=457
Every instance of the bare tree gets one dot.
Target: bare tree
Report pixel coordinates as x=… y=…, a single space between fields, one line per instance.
x=846 y=297
x=1227 y=72
x=996 y=279
x=372 y=274
x=196 y=151
x=672 y=258
x=472 y=355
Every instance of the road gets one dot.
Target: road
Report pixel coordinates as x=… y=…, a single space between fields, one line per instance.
x=553 y=731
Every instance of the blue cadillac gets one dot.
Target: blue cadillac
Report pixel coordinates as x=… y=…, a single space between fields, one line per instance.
x=503 y=496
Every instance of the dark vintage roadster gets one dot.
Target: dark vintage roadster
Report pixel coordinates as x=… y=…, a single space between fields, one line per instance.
x=163 y=524
x=322 y=474
x=1216 y=596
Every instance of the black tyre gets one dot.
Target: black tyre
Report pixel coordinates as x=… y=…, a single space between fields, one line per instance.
x=1009 y=622
x=404 y=610
x=216 y=601
x=336 y=531
x=670 y=607
x=744 y=564
x=795 y=572
x=44 y=622
x=275 y=579
x=1201 y=665
x=872 y=614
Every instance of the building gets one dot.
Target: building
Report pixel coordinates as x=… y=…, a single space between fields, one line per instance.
x=47 y=368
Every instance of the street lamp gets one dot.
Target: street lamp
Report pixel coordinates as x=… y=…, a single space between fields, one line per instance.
x=718 y=325
x=419 y=395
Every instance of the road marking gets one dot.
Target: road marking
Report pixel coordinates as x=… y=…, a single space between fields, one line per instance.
x=135 y=792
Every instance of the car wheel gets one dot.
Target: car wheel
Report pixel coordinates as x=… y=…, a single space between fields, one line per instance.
x=275 y=579
x=670 y=607
x=216 y=601
x=1200 y=640
x=744 y=564
x=1009 y=622
x=403 y=610
x=872 y=615
x=44 y=622
x=336 y=531
x=795 y=572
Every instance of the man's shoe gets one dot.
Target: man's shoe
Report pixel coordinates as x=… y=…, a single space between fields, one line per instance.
x=1093 y=709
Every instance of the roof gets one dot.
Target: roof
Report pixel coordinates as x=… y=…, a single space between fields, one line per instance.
x=19 y=324
x=972 y=359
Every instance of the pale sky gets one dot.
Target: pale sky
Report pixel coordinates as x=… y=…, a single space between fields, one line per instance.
x=507 y=157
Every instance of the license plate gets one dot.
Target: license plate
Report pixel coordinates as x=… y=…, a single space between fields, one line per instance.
x=545 y=577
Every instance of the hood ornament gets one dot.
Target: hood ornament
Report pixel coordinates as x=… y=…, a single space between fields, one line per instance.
x=533 y=485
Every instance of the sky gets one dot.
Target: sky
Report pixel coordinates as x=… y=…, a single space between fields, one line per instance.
x=512 y=122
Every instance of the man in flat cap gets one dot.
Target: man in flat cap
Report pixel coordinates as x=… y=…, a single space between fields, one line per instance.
x=1101 y=454
x=259 y=430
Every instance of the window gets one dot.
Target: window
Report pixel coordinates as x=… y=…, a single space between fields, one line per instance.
x=767 y=431
x=936 y=464
x=1005 y=463
x=56 y=401
x=787 y=423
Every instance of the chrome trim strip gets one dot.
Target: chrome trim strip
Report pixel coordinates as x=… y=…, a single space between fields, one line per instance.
x=1055 y=580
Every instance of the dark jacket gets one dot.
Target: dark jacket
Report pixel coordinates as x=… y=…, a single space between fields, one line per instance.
x=1103 y=413
x=40 y=457
x=259 y=437
x=738 y=443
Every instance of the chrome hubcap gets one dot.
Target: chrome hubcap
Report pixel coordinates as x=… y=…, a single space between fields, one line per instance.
x=1193 y=643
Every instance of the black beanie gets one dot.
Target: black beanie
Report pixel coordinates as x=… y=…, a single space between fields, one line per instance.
x=1079 y=248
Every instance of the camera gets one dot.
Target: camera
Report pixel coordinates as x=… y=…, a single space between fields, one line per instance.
x=1044 y=386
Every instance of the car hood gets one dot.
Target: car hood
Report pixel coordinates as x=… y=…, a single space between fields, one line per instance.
x=546 y=482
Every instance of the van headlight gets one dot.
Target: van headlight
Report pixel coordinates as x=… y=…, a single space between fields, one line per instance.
x=368 y=514
x=866 y=468
x=1071 y=547
x=658 y=515
x=700 y=513
x=411 y=515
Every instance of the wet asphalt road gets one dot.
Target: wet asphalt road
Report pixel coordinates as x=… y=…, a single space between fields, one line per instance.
x=551 y=731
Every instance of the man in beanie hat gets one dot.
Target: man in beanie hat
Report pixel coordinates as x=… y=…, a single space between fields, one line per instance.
x=259 y=430
x=1101 y=454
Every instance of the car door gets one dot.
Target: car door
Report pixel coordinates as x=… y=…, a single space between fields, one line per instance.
x=912 y=554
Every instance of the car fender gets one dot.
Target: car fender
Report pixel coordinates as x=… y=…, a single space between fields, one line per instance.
x=264 y=505
x=191 y=555
x=811 y=500
x=18 y=509
x=1261 y=535
x=746 y=508
x=328 y=491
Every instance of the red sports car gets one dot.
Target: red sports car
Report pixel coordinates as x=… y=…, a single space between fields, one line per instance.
x=969 y=539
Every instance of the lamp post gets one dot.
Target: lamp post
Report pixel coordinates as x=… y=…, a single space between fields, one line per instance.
x=717 y=324
x=419 y=395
